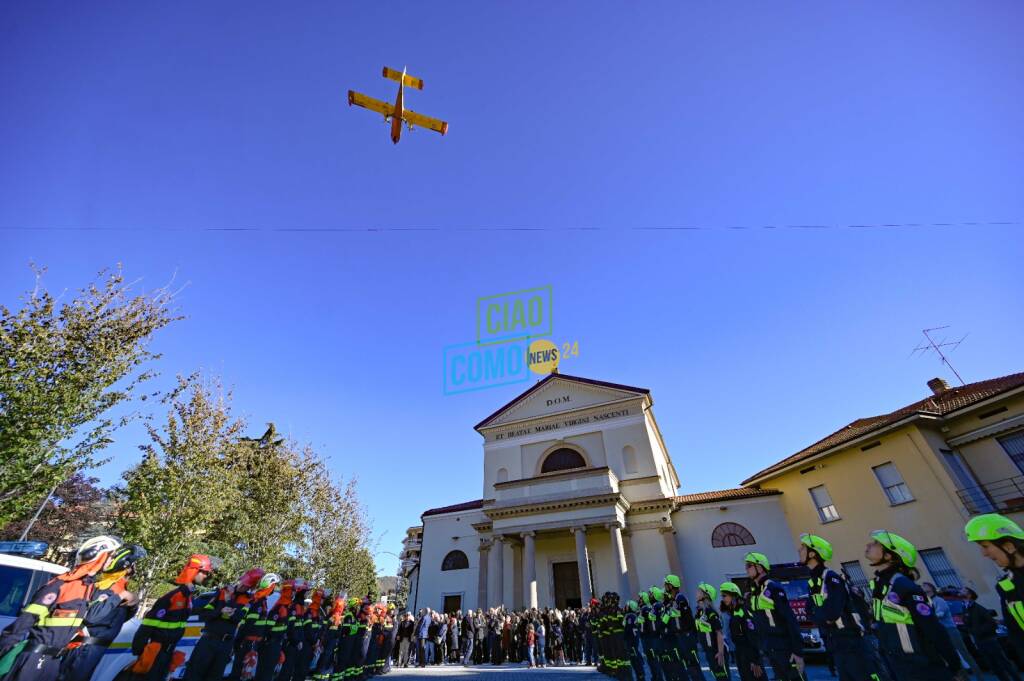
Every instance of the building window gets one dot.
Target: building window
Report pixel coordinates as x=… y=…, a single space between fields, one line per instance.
x=855 y=574
x=1014 y=446
x=502 y=475
x=629 y=459
x=563 y=460
x=823 y=502
x=942 y=571
x=970 y=491
x=731 y=534
x=455 y=560
x=892 y=483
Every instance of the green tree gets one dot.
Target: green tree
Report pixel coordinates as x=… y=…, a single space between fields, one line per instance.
x=183 y=484
x=267 y=514
x=64 y=368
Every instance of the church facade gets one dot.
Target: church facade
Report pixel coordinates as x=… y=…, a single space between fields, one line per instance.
x=579 y=498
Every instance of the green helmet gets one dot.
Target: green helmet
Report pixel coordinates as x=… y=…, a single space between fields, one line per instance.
x=991 y=527
x=757 y=559
x=673 y=581
x=645 y=598
x=632 y=606
x=730 y=588
x=819 y=545
x=897 y=545
x=657 y=594
x=711 y=591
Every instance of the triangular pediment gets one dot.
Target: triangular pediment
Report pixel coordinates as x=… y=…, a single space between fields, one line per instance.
x=558 y=394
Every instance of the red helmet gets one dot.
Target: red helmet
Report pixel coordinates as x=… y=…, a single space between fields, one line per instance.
x=251 y=578
x=196 y=563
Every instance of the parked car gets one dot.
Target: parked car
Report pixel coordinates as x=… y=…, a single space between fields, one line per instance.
x=21 y=575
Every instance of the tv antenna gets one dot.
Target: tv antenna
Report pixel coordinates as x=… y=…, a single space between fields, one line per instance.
x=931 y=345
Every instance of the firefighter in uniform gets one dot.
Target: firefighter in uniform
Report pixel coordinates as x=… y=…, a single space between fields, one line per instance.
x=347 y=643
x=221 y=615
x=615 y=632
x=327 y=663
x=32 y=643
x=681 y=646
x=709 y=630
x=296 y=649
x=111 y=606
x=915 y=645
x=650 y=636
x=833 y=612
x=777 y=627
x=164 y=624
x=270 y=655
x=742 y=633
x=631 y=636
x=315 y=632
x=253 y=629
x=1001 y=540
x=390 y=631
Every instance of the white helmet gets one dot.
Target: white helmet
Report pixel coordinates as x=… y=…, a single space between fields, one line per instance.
x=92 y=548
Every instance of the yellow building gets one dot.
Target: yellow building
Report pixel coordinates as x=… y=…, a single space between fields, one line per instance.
x=920 y=471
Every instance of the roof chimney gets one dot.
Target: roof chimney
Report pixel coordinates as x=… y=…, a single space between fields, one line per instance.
x=938 y=385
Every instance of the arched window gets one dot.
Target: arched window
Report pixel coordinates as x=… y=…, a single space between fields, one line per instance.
x=455 y=560
x=731 y=534
x=502 y=475
x=563 y=460
x=629 y=459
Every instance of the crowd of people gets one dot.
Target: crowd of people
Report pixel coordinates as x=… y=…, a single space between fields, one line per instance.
x=898 y=630
x=539 y=638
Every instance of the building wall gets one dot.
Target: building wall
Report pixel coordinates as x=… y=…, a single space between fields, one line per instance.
x=763 y=517
x=434 y=584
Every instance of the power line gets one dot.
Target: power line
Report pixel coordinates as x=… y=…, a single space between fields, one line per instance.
x=521 y=228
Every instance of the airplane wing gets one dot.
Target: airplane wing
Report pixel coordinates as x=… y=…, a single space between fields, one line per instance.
x=370 y=103
x=425 y=121
x=410 y=81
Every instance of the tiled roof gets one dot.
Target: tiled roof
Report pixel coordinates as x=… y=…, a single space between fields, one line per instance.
x=947 y=402
x=464 y=506
x=724 y=495
x=551 y=377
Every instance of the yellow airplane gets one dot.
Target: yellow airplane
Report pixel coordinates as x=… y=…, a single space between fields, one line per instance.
x=397 y=112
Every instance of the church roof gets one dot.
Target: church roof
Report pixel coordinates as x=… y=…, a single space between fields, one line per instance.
x=464 y=506
x=944 y=402
x=577 y=379
x=724 y=495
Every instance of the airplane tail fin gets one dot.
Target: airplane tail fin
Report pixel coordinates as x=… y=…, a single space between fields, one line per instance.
x=409 y=81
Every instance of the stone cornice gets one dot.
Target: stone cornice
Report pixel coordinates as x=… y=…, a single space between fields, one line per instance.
x=565 y=423
x=558 y=505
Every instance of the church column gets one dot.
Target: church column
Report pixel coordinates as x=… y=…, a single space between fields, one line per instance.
x=529 y=571
x=619 y=555
x=481 y=589
x=517 y=573
x=672 y=551
x=583 y=563
x=499 y=571
x=627 y=545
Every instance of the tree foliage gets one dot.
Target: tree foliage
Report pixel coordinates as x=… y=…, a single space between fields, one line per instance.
x=183 y=484
x=202 y=487
x=75 y=509
x=64 y=369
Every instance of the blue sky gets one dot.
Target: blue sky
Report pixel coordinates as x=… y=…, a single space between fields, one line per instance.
x=132 y=132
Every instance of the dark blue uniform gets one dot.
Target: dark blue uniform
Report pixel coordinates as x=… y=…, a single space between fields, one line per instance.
x=832 y=611
x=214 y=648
x=915 y=645
x=777 y=628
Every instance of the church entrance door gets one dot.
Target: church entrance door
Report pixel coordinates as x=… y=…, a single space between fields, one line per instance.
x=567 y=585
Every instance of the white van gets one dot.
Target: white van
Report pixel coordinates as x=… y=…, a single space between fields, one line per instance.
x=21 y=576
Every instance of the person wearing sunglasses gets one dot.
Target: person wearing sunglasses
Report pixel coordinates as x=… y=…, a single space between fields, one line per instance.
x=914 y=643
